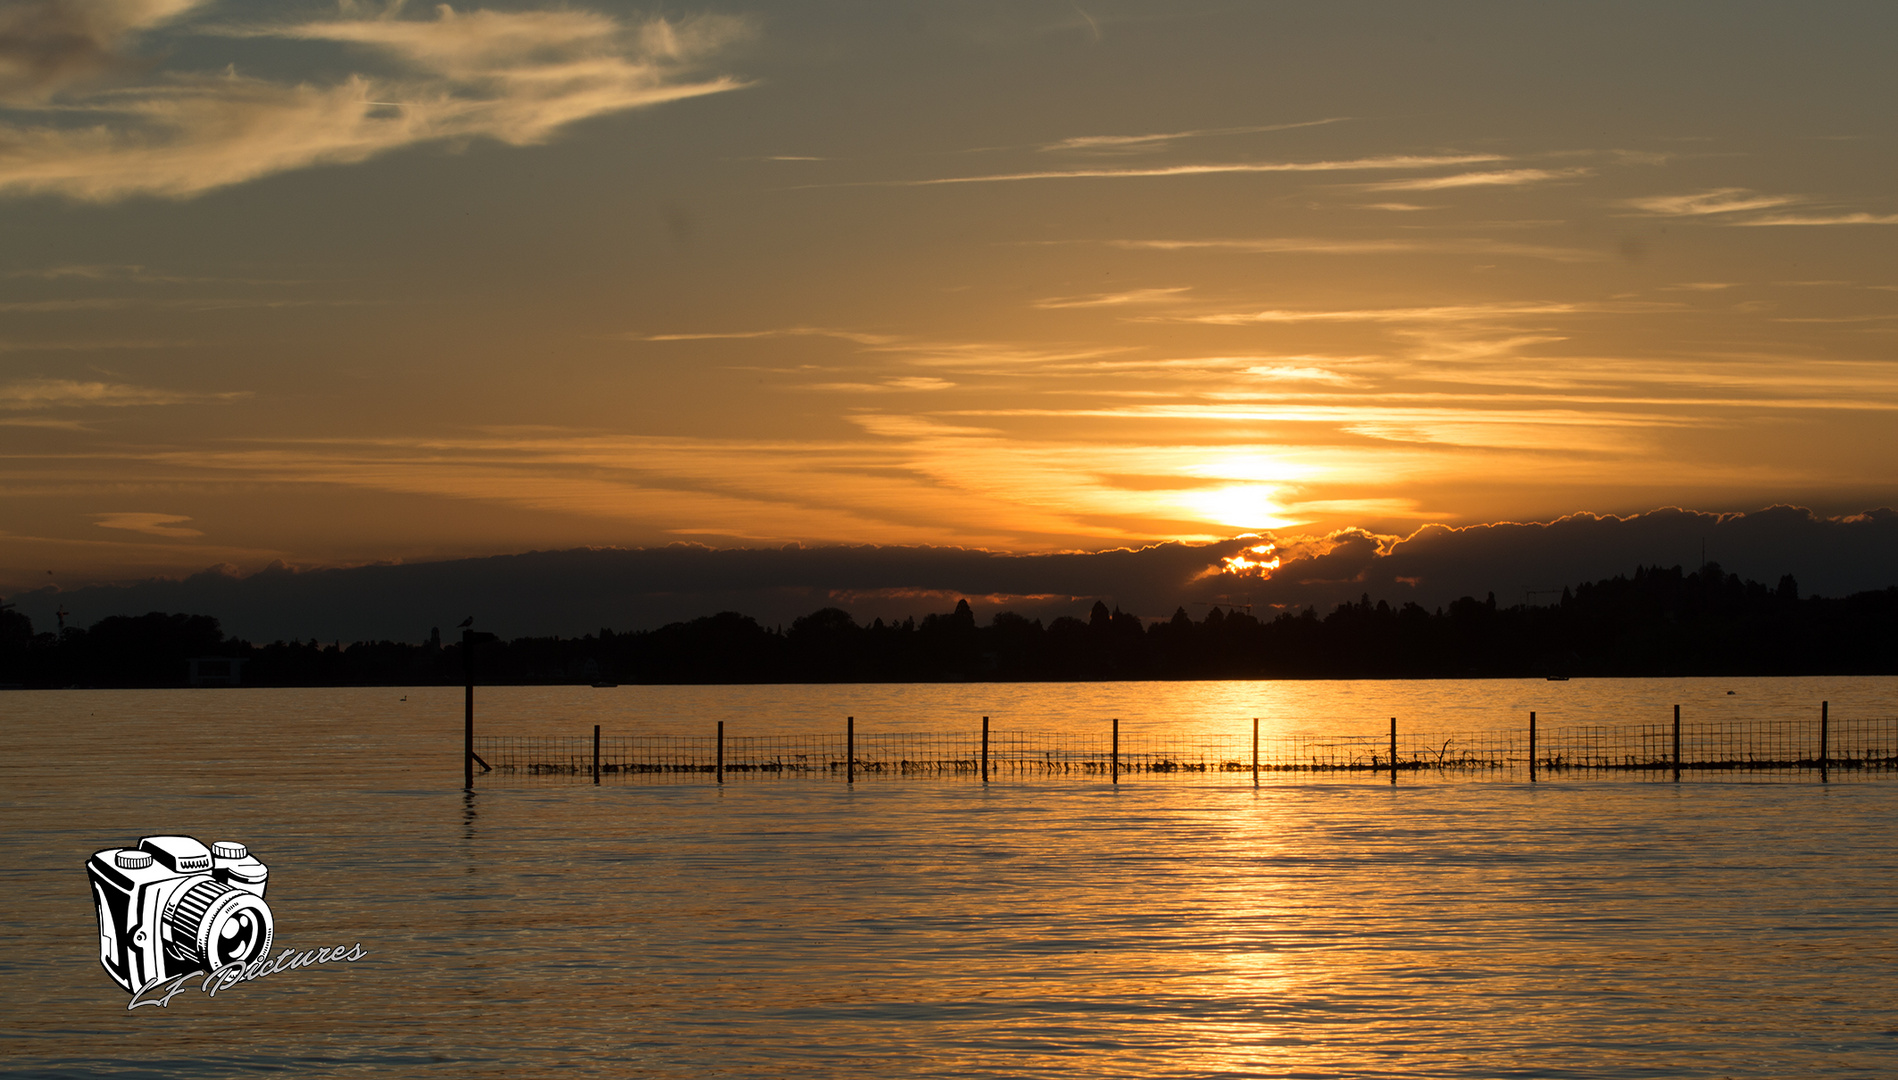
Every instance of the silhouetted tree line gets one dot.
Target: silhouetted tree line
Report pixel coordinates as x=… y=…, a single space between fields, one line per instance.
x=1661 y=621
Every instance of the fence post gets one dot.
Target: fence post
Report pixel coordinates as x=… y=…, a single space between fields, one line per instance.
x=467 y=712
x=1255 y=751
x=1393 y=749
x=850 y=749
x=1115 y=759
x=719 y=768
x=1532 y=747
x=1677 y=744
x=596 y=753
x=1825 y=733
x=985 y=749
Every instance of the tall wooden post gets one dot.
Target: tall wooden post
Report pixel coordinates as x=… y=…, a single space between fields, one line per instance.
x=719 y=767
x=1825 y=739
x=1677 y=744
x=1532 y=747
x=1115 y=758
x=596 y=753
x=1393 y=749
x=467 y=712
x=985 y=749
x=1255 y=751
x=850 y=749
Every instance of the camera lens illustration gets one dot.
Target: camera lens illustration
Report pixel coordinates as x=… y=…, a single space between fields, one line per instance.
x=171 y=906
x=214 y=924
x=243 y=938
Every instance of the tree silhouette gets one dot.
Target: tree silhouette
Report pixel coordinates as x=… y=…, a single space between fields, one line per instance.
x=1658 y=621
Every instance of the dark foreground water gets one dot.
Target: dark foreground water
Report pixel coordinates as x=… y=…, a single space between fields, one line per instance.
x=1743 y=928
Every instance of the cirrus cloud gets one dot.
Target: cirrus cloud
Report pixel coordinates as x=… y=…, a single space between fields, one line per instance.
x=516 y=77
x=1739 y=206
x=71 y=393
x=1844 y=218
x=1492 y=178
x=47 y=46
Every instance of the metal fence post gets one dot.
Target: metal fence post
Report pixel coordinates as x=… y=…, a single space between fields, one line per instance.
x=1825 y=736
x=596 y=753
x=467 y=714
x=1677 y=744
x=1532 y=747
x=985 y=749
x=719 y=767
x=1115 y=759
x=1255 y=751
x=850 y=749
x=1393 y=749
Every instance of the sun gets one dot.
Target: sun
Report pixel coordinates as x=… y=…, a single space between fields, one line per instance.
x=1259 y=559
x=1239 y=506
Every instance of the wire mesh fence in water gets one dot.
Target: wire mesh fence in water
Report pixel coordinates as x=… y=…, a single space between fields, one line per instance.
x=1856 y=745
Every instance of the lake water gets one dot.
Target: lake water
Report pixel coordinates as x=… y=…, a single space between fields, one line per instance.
x=1178 y=928
x=1327 y=707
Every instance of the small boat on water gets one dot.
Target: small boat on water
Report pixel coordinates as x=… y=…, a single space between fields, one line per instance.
x=605 y=685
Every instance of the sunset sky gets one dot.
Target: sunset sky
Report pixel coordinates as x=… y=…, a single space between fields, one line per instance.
x=334 y=285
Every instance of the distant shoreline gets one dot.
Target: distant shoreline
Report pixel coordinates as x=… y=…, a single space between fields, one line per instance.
x=1661 y=622
x=18 y=688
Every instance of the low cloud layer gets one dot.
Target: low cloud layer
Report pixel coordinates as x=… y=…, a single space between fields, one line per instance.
x=1828 y=556
x=516 y=77
x=579 y=591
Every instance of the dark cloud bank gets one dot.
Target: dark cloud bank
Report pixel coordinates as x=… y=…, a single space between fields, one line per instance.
x=579 y=591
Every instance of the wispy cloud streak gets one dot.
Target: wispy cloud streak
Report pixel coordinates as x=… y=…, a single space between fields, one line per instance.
x=1741 y=207
x=67 y=393
x=151 y=524
x=1117 y=299
x=1855 y=218
x=1159 y=141
x=1705 y=203
x=516 y=77
x=47 y=46
x=1444 y=313
x=1494 y=178
x=784 y=331
x=1295 y=245
x=1205 y=169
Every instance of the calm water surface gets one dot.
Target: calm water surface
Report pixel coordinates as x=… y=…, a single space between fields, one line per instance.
x=1327 y=707
x=938 y=928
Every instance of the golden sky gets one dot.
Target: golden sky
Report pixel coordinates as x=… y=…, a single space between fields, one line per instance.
x=372 y=282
